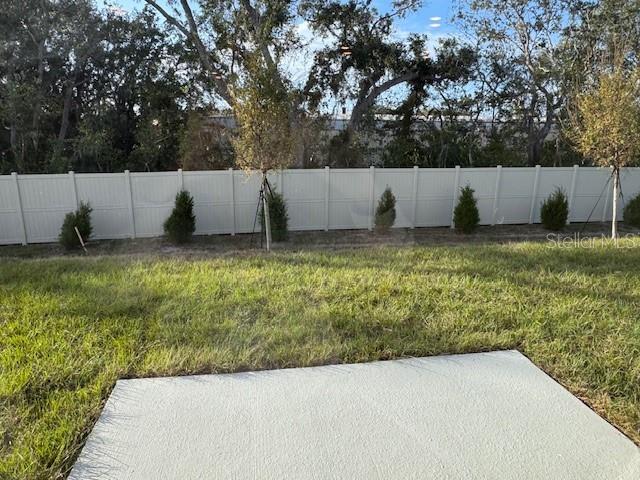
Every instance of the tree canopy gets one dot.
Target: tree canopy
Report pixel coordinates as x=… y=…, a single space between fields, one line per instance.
x=92 y=88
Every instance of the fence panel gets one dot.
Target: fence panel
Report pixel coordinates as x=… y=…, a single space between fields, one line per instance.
x=153 y=199
x=400 y=180
x=304 y=191
x=246 y=189
x=630 y=186
x=45 y=201
x=514 y=200
x=589 y=197
x=435 y=197
x=10 y=216
x=212 y=201
x=550 y=179
x=349 y=201
x=483 y=181
x=107 y=194
x=32 y=207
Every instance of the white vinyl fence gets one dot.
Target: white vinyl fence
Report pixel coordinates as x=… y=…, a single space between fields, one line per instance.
x=129 y=205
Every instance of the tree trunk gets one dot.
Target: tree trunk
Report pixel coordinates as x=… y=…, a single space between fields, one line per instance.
x=614 y=213
x=13 y=137
x=265 y=211
x=533 y=153
x=37 y=104
x=66 y=112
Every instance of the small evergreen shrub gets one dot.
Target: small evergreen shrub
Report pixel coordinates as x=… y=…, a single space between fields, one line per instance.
x=466 y=216
x=555 y=211
x=386 y=211
x=181 y=224
x=631 y=213
x=277 y=216
x=81 y=218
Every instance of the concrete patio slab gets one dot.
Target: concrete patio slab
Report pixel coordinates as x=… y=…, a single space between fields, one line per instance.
x=478 y=416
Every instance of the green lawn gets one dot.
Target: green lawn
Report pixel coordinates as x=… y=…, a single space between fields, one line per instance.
x=69 y=327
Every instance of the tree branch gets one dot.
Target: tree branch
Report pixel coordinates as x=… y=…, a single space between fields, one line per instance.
x=365 y=102
x=169 y=18
x=191 y=33
x=395 y=13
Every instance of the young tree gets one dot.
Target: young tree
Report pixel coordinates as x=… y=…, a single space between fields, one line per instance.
x=605 y=125
x=386 y=210
x=264 y=140
x=229 y=37
x=466 y=216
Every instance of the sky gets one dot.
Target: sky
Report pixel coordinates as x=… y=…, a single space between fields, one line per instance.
x=416 y=22
x=433 y=18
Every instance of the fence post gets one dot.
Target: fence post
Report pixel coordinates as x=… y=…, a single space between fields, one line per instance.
x=74 y=187
x=14 y=175
x=414 y=206
x=281 y=182
x=372 y=182
x=496 y=195
x=132 y=220
x=180 y=180
x=327 y=190
x=233 y=201
x=456 y=187
x=572 y=194
x=534 y=193
x=607 y=196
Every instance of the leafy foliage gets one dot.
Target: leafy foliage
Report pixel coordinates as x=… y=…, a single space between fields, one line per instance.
x=181 y=224
x=554 y=211
x=86 y=89
x=278 y=216
x=264 y=140
x=70 y=99
x=631 y=213
x=205 y=146
x=466 y=217
x=364 y=59
x=81 y=219
x=404 y=151
x=345 y=151
x=386 y=210
x=519 y=73
x=605 y=123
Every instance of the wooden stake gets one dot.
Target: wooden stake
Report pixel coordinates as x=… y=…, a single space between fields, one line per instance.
x=80 y=238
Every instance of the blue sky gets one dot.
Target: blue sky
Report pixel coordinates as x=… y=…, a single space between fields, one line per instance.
x=418 y=22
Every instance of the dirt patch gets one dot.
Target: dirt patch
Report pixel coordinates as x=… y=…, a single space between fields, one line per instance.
x=228 y=244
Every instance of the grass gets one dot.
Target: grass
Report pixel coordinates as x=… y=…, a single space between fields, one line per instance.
x=69 y=327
